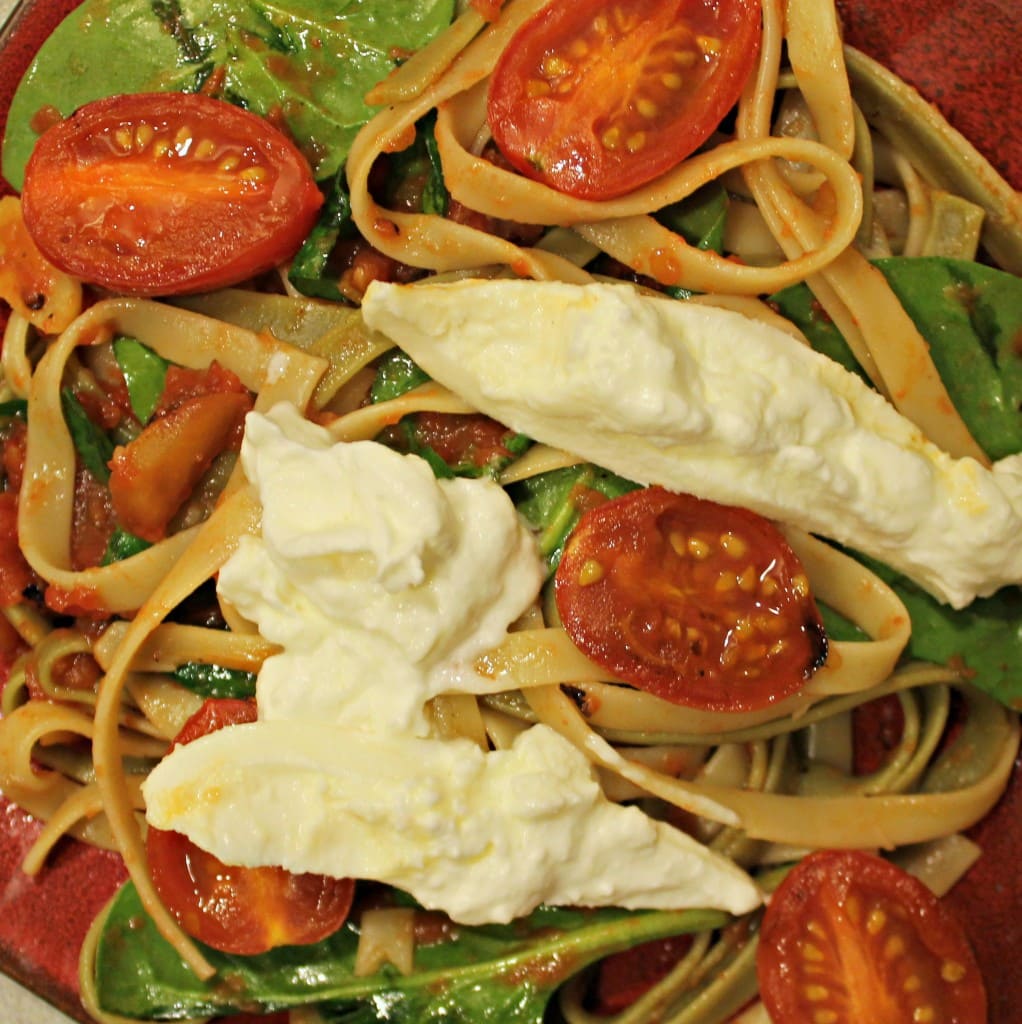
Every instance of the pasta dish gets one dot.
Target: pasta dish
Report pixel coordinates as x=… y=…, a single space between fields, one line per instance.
x=509 y=513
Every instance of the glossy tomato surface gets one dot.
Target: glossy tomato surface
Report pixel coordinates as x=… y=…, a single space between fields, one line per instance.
x=699 y=603
x=849 y=937
x=240 y=909
x=164 y=193
x=597 y=97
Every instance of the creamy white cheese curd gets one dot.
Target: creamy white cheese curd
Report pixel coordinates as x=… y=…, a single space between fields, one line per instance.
x=381 y=584
x=485 y=837
x=710 y=402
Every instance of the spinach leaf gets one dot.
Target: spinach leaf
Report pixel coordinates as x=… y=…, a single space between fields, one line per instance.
x=122 y=545
x=145 y=374
x=700 y=217
x=493 y=973
x=984 y=639
x=14 y=407
x=552 y=503
x=435 y=197
x=415 y=178
x=312 y=59
x=971 y=315
x=396 y=374
x=310 y=269
x=799 y=305
x=94 y=447
x=215 y=680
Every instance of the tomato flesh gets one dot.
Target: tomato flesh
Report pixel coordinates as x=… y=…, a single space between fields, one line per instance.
x=699 y=603
x=849 y=937
x=165 y=193
x=598 y=97
x=235 y=909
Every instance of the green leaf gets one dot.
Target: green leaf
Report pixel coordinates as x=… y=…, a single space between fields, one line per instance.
x=215 y=680
x=552 y=503
x=435 y=197
x=799 y=305
x=123 y=545
x=145 y=374
x=494 y=973
x=94 y=447
x=396 y=374
x=984 y=639
x=699 y=218
x=312 y=59
x=971 y=315
x=14 y=407
x=310 y=269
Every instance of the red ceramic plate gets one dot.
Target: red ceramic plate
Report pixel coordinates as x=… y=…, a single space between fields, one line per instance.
x=965 y=57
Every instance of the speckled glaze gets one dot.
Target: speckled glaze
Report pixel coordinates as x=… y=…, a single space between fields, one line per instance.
x=964 y=56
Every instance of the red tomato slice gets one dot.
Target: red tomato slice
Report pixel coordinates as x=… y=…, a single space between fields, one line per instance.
x=849 y=937
x=699 y=603
x=598 y=97
x=238 y=909
x=165 y=193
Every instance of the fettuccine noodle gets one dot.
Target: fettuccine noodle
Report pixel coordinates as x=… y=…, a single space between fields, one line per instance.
x=76 y=758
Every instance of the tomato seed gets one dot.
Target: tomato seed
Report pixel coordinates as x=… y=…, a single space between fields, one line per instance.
x=698 y=548
x=635 y=142
x=951 y=970
x=708 y=45
x=733 y=545
x=725 y=581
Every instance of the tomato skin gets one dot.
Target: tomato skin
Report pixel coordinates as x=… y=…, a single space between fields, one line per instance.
x=239 y=909
x=598 y=97
x=698 y=603
x=167 y=193
x=851 y=935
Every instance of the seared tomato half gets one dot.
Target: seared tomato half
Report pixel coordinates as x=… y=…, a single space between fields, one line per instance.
x=699 y=603
x=239 y=909
x=849 y=937
x=598 y=97
x=164 y=193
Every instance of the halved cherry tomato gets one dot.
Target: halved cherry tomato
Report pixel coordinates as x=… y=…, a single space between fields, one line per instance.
x=238 y=909
x=699 y=603
x=849 y=937
x=163 y=193
x=598 y=97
